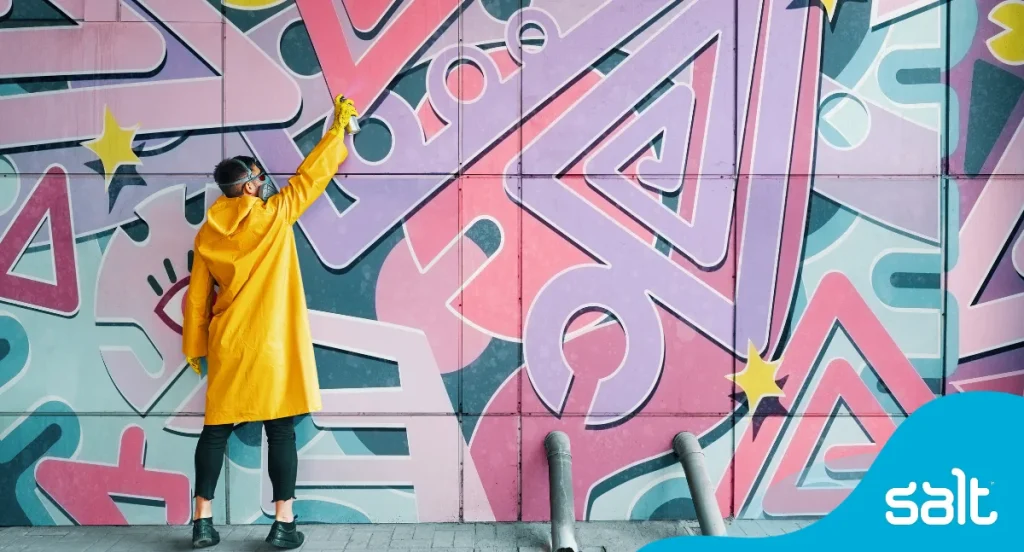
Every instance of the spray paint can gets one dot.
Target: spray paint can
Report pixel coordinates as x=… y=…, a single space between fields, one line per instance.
x=353 y=123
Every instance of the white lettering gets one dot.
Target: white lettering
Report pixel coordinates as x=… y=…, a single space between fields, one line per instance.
x=909 y=505
x=961 y=506
x=940 y=509
x=945 y=504
x=976 y=494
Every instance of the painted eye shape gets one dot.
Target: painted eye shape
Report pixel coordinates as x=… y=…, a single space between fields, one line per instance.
x=171 y=307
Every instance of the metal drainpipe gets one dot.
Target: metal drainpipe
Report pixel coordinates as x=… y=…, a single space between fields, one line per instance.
x=687 y=448
x=563 y=510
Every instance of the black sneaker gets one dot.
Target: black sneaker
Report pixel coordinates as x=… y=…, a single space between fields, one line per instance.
x=285 y=535
x=203 y=533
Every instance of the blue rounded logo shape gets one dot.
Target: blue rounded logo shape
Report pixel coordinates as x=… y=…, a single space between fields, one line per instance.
x=949 y=477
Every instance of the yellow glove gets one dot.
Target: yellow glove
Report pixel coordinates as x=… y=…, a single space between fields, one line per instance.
x=344 y=109
x=194 y=363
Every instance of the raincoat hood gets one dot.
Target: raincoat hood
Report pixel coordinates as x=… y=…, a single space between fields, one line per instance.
x=234 y=228
x=230 y=217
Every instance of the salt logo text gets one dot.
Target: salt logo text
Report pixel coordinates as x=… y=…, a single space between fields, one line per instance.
x=945 y=505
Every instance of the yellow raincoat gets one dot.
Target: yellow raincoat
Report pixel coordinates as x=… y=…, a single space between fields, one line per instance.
x=257 y=341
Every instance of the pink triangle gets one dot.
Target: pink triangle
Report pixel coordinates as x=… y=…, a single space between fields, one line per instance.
x=50 y=199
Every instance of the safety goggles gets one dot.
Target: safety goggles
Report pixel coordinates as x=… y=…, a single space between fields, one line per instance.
x=249 y=176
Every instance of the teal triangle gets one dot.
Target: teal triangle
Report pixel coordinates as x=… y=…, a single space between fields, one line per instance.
x=103 y=239
x=994 y=94
x=34 y=13
x=37 y=262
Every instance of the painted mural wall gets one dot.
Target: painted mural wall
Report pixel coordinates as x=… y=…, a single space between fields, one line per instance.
x=783 y=225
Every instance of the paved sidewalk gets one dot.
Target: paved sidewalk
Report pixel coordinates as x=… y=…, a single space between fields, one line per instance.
x=504 y=537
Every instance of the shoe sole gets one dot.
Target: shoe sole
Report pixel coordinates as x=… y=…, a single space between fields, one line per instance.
x=283 y=544
x=205 y=543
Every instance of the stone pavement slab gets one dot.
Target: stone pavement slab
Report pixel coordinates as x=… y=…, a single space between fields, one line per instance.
x=466 y=537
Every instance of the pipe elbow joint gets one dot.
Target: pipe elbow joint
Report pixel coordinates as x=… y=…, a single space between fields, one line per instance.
x=557 y=442
x=686 y=443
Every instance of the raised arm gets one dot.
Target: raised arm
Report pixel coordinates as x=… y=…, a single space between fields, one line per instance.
x=318 y=167
x=196 y=324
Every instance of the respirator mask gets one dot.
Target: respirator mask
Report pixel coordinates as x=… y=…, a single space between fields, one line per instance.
x=267 y=187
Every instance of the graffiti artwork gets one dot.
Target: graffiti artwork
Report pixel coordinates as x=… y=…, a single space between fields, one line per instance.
x=780 y=225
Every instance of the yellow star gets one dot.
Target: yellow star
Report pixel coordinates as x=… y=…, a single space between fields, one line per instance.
x=113 y=146
x=757 y=380
x=830 y=7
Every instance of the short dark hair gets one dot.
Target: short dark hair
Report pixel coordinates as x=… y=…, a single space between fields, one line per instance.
x=228 y=172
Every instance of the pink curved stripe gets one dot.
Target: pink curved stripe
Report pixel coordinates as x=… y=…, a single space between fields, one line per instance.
x=217 y=101
x=87 y=49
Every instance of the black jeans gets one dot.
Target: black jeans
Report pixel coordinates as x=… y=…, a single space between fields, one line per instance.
x=283 y=458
